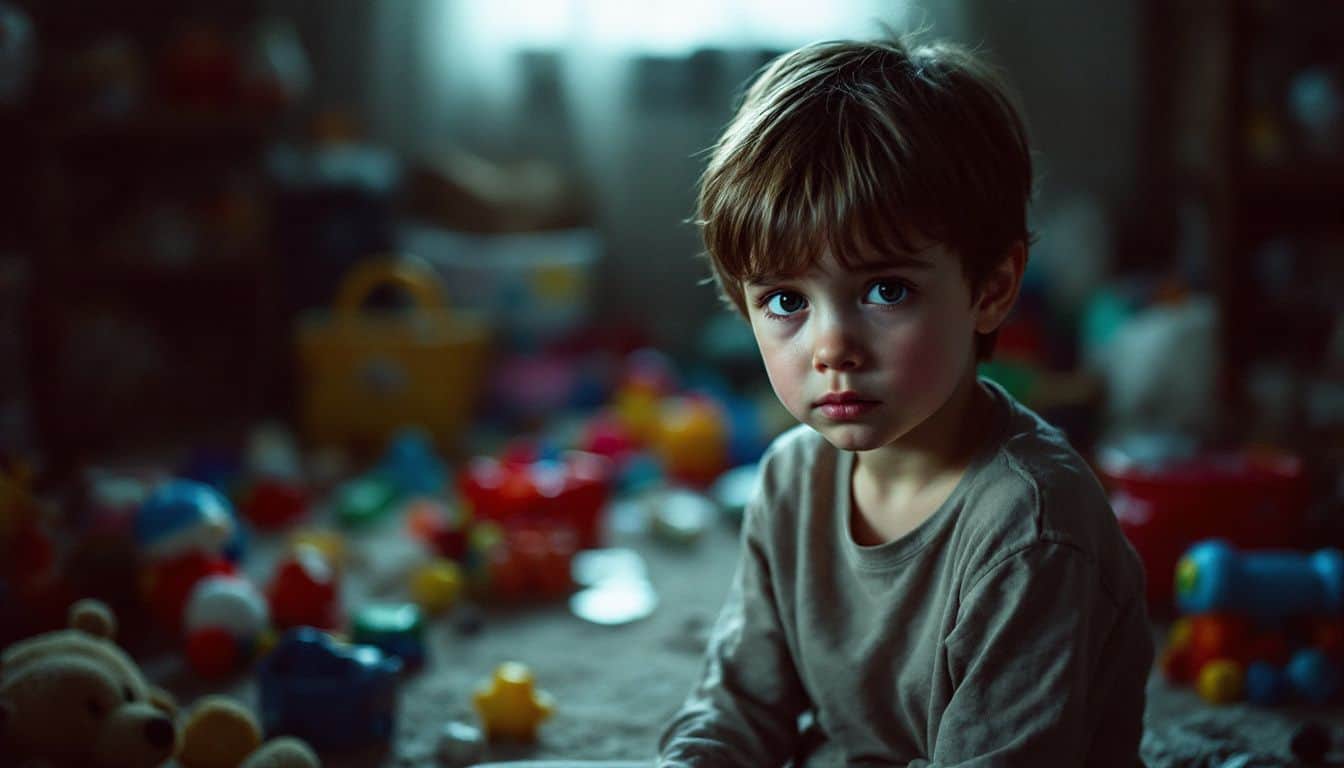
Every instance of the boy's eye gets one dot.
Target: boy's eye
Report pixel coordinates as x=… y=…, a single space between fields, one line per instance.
x=886 y=292
x=785 y=303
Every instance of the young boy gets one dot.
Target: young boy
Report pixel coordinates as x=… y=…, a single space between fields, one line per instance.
x=930 y=575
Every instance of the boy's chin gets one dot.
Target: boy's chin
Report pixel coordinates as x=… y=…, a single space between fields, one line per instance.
x=853 y=437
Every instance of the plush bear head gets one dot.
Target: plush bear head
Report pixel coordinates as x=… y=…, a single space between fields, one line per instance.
x=72 y=697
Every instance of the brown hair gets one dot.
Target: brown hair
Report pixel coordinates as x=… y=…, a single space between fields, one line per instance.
x=847 y=146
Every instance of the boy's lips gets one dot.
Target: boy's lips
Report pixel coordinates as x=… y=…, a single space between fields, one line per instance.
x=844 y=406
x=842 y=398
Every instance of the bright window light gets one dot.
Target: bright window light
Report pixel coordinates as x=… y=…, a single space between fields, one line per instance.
x=674 y=26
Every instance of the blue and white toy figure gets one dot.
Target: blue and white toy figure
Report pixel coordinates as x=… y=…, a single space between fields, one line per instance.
x=1215 y=577
x=183 y=516
x=412 y=464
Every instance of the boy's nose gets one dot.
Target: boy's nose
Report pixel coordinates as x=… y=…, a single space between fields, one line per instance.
x=836 y=349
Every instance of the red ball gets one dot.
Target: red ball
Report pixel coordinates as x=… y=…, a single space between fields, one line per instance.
x=170 y=583
x=212 y=653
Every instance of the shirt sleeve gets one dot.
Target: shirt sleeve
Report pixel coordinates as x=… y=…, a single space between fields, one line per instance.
x=1026 y=660
x=744 y=709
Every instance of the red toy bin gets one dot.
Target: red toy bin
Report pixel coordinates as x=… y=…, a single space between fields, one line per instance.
x=1252 y=499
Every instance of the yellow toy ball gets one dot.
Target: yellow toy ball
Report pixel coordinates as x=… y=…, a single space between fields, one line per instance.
x=435 y=586
x=1220 y=681
x=637 y=410
x=219 y=733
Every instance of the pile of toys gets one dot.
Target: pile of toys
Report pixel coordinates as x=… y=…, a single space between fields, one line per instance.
x=237 y=562
x=1265 y=627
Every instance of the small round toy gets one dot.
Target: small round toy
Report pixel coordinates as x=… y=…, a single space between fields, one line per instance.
x=510 y=706
x=692 y=439
x=1266 y=684
x=168 y=584
x=637 y=411
x=183 y=516
x=218 y=733
x=460 y=745
x=1312 y=675
x=304 y=591
x=412 y=464
x=230 y=603
x=1220 y=682
x=436 y=585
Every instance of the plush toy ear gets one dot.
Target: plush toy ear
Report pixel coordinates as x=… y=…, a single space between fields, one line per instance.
x=163 y=701
x=93 y=617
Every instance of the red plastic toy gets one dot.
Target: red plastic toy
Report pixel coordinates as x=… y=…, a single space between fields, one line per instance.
x=1251 y=500
x=570 y=493
x=532 y=563
x=304 y=592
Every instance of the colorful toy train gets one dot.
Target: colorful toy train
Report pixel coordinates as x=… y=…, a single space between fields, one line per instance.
x=1267 y=627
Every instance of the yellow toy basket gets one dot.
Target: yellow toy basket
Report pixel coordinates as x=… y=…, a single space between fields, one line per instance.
x=364 y=375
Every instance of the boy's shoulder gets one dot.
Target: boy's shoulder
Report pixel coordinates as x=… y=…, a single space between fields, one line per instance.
x=797 y=454
x=1035 y=488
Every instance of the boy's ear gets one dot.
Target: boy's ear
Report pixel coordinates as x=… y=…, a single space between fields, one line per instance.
x=999 y=288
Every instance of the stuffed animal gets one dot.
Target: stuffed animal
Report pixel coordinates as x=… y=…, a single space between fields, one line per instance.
x=222 y=733
x=72 y=697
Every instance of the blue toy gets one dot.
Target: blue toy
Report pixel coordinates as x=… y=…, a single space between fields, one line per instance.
x=1213 y=577
x=412 y=464
x=1312 y=675
x=1265 y=684
x=333 y=695
x=184 y=516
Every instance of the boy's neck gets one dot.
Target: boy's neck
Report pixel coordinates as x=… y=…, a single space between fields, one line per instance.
x=943 y=444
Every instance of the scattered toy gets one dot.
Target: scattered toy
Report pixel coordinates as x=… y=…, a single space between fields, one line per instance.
x=333 y=695
x=510 y=706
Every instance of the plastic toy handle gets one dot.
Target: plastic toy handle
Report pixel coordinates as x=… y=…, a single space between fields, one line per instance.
x=412 y=276
x=1213 y=576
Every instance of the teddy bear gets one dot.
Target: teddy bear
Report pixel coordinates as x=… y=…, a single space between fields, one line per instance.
x=221 y=733
x=72 y=697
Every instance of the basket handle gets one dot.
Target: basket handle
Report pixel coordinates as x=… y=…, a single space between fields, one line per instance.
x=412 y=276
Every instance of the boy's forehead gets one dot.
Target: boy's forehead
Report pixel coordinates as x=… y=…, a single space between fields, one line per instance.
x=925 y=257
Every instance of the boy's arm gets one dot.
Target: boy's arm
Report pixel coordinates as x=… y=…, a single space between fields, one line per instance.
x=1046 y=667
x=744 y=709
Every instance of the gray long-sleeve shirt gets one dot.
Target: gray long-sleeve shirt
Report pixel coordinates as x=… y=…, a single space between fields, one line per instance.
x=1007 y=629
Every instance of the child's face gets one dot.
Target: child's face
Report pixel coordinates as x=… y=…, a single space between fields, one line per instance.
x=865 y=355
